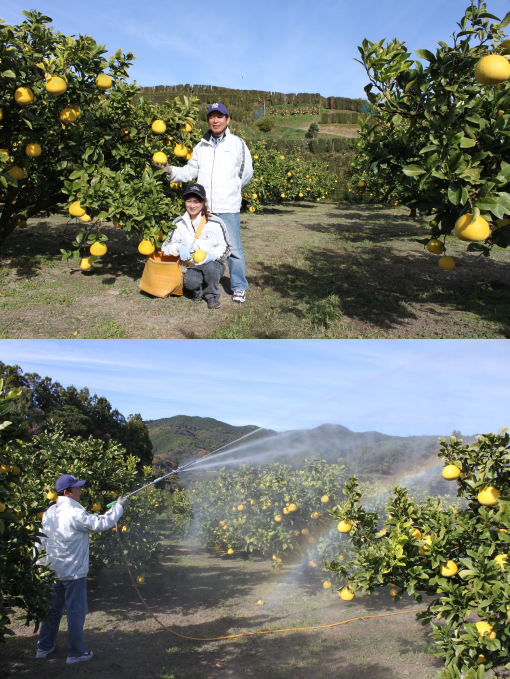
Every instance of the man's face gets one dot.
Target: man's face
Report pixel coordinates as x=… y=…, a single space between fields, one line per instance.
x=218 y=123
x=74 y=493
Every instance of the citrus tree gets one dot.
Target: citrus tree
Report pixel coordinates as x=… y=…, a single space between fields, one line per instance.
x=438 y=137
x=23 y=583
x=456 y=555
x=74 y=133
x=109 y=472
x=278 y=178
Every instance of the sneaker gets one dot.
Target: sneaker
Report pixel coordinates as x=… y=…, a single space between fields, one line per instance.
x=79 y=658
x=42 y=654
x=239 y=296
x=213 y=302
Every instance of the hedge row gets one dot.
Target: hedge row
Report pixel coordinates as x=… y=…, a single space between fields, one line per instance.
x=342 y=117
x=315 y=146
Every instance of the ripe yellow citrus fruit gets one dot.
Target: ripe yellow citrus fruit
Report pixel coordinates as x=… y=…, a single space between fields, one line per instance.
x=435 y=246
x=189 y=155
x=68 y=115
x=140 y=579
x=85 y=218
x=278 y=518
x=23 y=96
x=393 y=592
x=484 y=628
x=501 y=560
x=199 y=256
x=240 y=508
x=283 y=195
x=293 y=507
x=98 y=249
x=344 y=527
x=446 y=263
x=56 y=85
x=305 y=531
x=346 y=594
x=466 y=229
x=76 y=210
x=449 y=569
x=216 y=548
x=33 y=150
x=40 y=516
x=146 y=247
x=314 y=515
x=492 y=69
x=325 y=498
x=96 y=507
x=160 y=158
x=327 y=584
x=103 y=81
x=124 y=529
x=230 y=550
x=502 y=530
x=158 y=126
x=416 y=534
x=85 y=263
x=285 y=510
x=260 y=602
x=253 y=502
x=4 y=469
x=481 y=659
x=187 y=128
x=451 y=472
x=76 y=109
x=17 y=172
x=180 y=151
x=2 y=507
x=488 y=496
x=51 y=495
x=361 y=184
x=251 y=209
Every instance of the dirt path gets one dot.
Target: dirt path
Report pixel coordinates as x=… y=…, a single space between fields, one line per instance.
x=325 y=270
x=204 y=595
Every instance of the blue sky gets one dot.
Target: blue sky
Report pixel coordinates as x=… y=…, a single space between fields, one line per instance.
x=400 y=387
x=285 y=46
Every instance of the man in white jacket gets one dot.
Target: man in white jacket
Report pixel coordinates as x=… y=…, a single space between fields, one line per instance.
x=222 y=163
x=66 y=527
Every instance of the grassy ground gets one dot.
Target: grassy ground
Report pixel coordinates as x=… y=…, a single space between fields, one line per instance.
x=202 y=595
x=325 y=270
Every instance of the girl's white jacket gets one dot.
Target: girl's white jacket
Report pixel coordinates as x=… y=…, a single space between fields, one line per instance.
x=213 y=239
x=66 y=527
x=223 y=171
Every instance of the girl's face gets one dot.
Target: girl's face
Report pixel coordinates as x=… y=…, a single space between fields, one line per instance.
x=193 y=206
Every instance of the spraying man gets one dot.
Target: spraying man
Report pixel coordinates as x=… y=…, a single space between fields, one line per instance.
x=66 y=526
x=222 y=164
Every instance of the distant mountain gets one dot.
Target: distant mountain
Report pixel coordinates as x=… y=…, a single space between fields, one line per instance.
x=179 y=438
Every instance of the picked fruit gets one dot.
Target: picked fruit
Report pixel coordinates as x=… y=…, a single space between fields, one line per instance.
x=158 y=127
x=160 y=158
x=103 y=81
x=344 y=527
x=199 y=256
x=33 y=150
x=76 y=210
x=146 y=247
x=56 y=86
x=451 y=472
x=23 y=96
x=85 y=264
x=98 y=249
x=488 y=496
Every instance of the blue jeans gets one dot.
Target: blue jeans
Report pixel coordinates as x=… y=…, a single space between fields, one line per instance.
x=71 y=595
x=236 y=264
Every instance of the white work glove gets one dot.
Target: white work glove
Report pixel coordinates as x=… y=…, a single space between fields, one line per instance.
x=184 y=253
x=122 y=501
x=167 y=168
x=209 y=258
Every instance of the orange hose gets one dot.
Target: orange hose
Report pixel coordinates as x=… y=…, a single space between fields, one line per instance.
x=246 y=634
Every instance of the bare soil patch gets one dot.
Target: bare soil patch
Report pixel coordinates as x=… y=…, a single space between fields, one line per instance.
x=325 y=270
x=204 y=595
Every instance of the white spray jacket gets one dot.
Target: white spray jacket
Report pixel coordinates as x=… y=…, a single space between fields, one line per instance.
x=66 y=526
x=213 y=239
x=223 y=171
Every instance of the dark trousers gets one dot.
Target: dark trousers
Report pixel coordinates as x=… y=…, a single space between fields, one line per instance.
x=71 y=595
x=205 y=280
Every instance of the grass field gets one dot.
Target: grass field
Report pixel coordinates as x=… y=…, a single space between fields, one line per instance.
x=203 y=595
x=325 y=270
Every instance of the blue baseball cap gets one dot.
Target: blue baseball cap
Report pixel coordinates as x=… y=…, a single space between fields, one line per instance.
x=68 y=481
x=217 y=108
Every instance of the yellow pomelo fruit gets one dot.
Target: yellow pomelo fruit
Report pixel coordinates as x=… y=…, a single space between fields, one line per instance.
x=23 y=96
x=484 y=628
x=216 y=548
x=146 y=247
x=98 y=249
x=346 y=594
x=446 y=263
x=473 y=231
x=285 y=510
x=435 y=246
x=199 y=256
x=449 y=569
x=180 y=151
x=96 y=507
x=501 y=560
x=451 y=472
x=68 y=115
x=85 y=219
x=251 y=209
x=293 y=507
x=327 y=584
x=344 y=527
x=502 y=530
x=361 y=184
x=488 y=496
x=76 y=210
x=305 y=531
x=140 y=579
x=56 y=85
x=160 y=158
x=240 y=508
x=278 y=518
x=254 y=196
x=283 y=195
x=76 y=109
x=103 y=81
x=416 y=534
x=187 y=128
x=492 y=69
x=17 y=172
x=393 y=592
x=158 y=127
x=85 y=263
x=314 y=515
x=2 y=507
x=230 y=550
x=296 y=533
x=33 y=150
x=51 y=495
x=189 y=155
x=325 y=498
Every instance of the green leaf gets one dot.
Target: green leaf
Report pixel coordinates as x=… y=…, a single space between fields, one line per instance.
x=425 y=54
x=9 y=74
x=413 y=170
x=467 y=143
